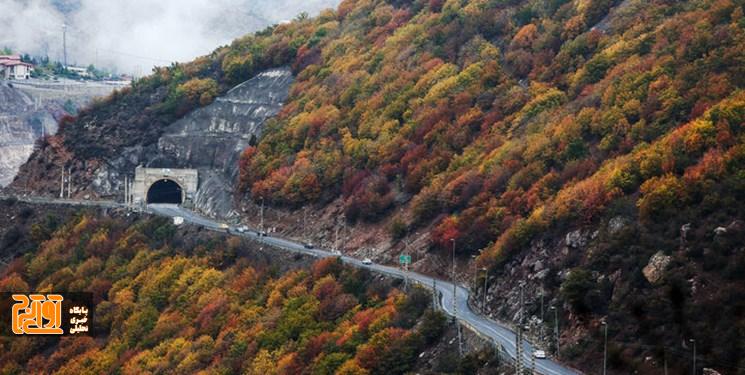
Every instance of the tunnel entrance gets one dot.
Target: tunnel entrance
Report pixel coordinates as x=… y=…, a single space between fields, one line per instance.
x=165 y=191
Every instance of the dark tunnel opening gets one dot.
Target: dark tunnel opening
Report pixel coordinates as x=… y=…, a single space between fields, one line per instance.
x=165 y=191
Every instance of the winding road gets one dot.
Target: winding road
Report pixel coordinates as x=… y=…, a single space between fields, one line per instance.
x=499 y=334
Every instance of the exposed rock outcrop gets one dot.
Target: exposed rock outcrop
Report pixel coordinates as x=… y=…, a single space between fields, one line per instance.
x=30 y=110
x=655 y=269
x=22 y=121
x=209 y=139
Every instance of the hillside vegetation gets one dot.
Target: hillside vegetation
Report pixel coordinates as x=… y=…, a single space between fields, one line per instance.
x=502 y=118
x=496 y=118
x=167 y=302
x=501 y=124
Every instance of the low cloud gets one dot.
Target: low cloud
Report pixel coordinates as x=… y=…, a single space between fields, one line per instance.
x=134 y=35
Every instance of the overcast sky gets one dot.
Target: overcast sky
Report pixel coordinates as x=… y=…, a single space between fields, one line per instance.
x=134 y=35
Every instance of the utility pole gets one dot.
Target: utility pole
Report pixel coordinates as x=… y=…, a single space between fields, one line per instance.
x=522 y=303
x=343 y=220
x=305 y=224
x=605 y=347
x=693 y=341
x=556 y=328
x=455 y=305
x=261 y=214
x=518 y=350
x=486 y=280
x=69 y=183
x=543 y=315
x=406 y=276
x=475 y=284
x=434 y=294
x=64 y=44
x=452 y=279
x=336 y=236
x=532 y=364
x=62 y=184
x=460 y=339
x=519 y=333
x=406 y=258
x=541 y=329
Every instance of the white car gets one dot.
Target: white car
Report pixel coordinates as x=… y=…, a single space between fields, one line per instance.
x=336 y=252
x=367 y=261
x=540 y=354
x=242 y=229
x=178 y=220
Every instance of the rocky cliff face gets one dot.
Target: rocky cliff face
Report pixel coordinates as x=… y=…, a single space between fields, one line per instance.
x=212 y=137
x=209 y=139
x=30 y=109
x=22 y=121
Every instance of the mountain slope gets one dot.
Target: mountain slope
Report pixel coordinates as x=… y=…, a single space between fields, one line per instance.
x=522 y=130
x=171 y=300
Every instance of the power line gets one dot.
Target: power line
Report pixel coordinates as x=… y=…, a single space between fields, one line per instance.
x=135 y=56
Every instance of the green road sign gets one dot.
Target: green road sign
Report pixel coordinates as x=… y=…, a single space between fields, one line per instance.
x=404 y=259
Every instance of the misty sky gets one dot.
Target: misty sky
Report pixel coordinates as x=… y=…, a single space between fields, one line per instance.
x=131 y=36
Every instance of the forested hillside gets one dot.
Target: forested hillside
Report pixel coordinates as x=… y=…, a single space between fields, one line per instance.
x=168 y=301
x=496 y=118
x=507 y=117
x=503 y=125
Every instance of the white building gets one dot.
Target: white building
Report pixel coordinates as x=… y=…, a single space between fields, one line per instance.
x=11 y=67
x=83 y=72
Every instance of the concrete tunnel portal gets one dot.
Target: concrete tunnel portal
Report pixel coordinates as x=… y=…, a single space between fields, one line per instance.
x=162 y=185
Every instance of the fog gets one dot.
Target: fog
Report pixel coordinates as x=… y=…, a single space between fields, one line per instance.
x=131 y=36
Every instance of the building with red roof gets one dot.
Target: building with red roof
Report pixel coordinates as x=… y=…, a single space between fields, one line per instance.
x=11 y=67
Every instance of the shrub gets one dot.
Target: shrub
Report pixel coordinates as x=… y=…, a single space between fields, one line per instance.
x=397 y=228
x=198 y=91
x=237 y=67
x=576 y=287
x=370 y=199
x=433 y=325
x=412 y=307
x=11 y=237
x=661 y=196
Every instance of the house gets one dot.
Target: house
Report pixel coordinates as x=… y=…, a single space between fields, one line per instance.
x=11 y=67
x=82 y=72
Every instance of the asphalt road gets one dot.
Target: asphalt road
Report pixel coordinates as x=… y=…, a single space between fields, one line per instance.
x=498 y=333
